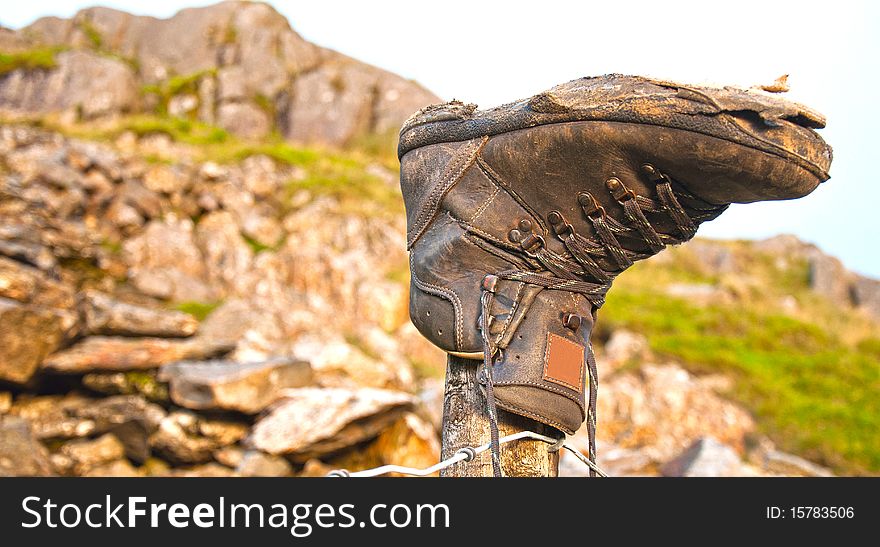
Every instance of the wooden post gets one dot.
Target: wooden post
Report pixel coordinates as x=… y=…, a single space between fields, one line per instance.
x=466 y=423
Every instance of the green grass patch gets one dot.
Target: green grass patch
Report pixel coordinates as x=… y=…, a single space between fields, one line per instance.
x=92 y=33
x=256 y=246
x=42 y=58
x=175 y=85
x=811 y=393
x=180 y=130
x=199 y=310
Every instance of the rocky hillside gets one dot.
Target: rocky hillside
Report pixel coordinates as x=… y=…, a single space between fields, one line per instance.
x=237 y=65
x=231 y=308
x=187 y=288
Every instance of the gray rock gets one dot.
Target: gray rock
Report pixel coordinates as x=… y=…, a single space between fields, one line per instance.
x=714 y=257
x=20 y=453
x=244 y=119
x=106 y=315
x=781 y=463
x=866 y=295
x=232 y=84
x=87 y=83
x=245 y=387
x=706 y=457
x=257 y=54
x=311 y=421
x=331 y=105
x=829 y=277
x=103 y=353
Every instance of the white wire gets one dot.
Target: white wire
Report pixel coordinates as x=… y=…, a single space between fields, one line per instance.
x=464 y=454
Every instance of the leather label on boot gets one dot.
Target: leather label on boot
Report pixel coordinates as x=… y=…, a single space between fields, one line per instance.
x=564 y=362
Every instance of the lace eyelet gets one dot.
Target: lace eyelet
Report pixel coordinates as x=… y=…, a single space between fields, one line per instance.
x=590 y=206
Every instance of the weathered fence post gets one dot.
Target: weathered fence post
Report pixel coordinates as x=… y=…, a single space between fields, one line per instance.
x=466 y=423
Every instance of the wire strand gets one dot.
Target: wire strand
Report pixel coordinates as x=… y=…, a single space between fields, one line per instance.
x=465 y=454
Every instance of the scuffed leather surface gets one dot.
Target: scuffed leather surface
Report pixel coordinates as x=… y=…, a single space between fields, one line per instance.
x=743 y=116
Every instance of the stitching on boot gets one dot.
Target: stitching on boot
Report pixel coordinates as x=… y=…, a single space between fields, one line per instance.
x=462 y=159
x=444 y=293
x=486 y=203
x=496 y=178
x=528 y=413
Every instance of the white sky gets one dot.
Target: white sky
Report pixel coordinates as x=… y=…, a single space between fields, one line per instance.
x=493 y=52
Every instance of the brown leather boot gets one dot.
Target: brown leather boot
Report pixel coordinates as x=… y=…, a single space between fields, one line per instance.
x=519 y=217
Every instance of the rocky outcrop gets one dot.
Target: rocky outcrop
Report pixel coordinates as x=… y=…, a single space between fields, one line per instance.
x=82 y=82
x=235 y=64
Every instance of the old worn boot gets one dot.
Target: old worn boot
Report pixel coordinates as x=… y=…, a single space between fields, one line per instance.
x=519 y=217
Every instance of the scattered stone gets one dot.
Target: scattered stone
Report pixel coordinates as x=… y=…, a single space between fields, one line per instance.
x=184 y=437
x=706 y=457
x=230 y=456
x=165 y=179
x=625 y=347
x=28 y=335
x=315 y=468
x=310 y=421
x=117 y=468
x=259 y=464
x=5 y=401
x=130 y=418
x=84 y=455
x=165 y=262
x=205 y=470
x=142 y=382
x=245 y=387
x=21 y=455
x=30 y=285
x=663 y=409
x=226 y=256
x=98 y=353
x=106 y=315
x=337 y=363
